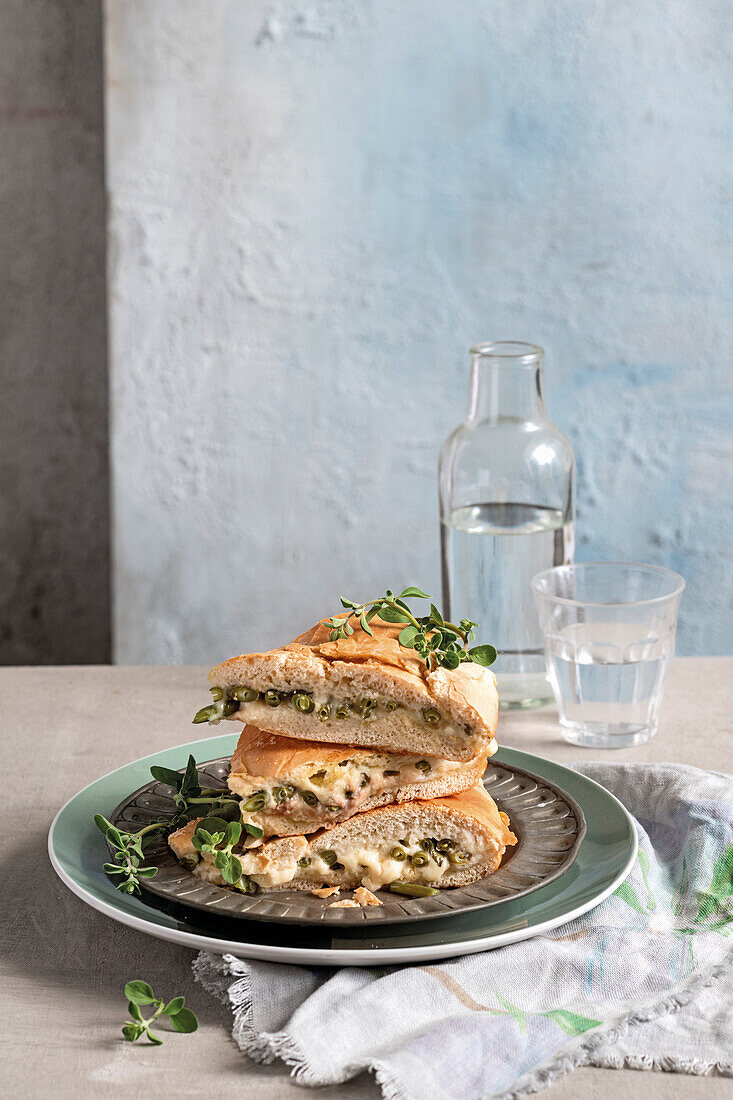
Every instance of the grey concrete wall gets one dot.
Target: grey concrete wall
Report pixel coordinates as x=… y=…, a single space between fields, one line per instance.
x=54 y=510
x=317 y=207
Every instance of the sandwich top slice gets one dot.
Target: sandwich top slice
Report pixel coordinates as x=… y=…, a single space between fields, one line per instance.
x=290 y=786
x=439 y=842
x=359 y=690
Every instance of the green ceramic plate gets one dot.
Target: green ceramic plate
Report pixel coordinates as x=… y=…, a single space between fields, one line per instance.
x=77 y=850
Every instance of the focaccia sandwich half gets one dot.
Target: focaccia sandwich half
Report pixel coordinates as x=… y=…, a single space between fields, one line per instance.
x=360 y=690
x=290 y=786
x=439 y=842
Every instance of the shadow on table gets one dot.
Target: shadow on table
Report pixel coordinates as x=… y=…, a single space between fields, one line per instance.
x=50 y=935
x=52 y=940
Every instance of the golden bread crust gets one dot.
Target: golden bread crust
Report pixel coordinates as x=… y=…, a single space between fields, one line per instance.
x=361 y=666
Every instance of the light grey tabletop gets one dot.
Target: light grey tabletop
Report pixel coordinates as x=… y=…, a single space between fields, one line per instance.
x=64 y=965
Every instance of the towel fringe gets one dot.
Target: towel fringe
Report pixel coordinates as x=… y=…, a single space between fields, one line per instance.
x=215 y=973
x=583 y=1053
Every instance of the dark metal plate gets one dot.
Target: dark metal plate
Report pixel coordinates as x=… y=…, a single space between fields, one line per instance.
x=549 y=825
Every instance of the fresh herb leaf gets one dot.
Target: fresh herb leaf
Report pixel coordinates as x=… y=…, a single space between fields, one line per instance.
x=434 y=640
x=167 y=775
x=393 y=615
x=407 y=636
x=192 y=800
x=483 y=654
x=184 y=1021
x=138 y=993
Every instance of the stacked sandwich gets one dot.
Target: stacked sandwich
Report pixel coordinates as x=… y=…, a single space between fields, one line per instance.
x=358 y=766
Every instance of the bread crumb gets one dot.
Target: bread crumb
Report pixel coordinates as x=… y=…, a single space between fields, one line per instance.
x=345 y=904
x=366 y=897
x=325 y=891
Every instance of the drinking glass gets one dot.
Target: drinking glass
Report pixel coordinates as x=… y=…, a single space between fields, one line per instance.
x=609 y=638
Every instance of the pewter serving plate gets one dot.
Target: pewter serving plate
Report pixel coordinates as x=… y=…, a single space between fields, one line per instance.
x=548 y=823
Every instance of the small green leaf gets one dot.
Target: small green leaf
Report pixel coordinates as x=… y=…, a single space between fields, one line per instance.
x=154 y=1038
x=220 y=860
x=365 y=625
x=231 y=872
x=131 y=1032
x=435 y=615
x=174 y=1006
x=348 y=629
x=139 y=992
x=109 y=830
x=190 y=784
x=518 y=1014
x=233 y=832
x=570 y=1022
x=134 y=1010
x=167 y=775
x=721 y=886
x=407 y=636
x=147 y=872
x=254 y=830
x=627 y=893
x=347 y=603
x=412 y=591
x=113 y=869
x=392 y=615
x=184 y=1021
x=450 y=660
x=482 y=655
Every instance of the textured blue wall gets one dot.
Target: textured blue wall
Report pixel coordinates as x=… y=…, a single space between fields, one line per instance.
x=316 y=208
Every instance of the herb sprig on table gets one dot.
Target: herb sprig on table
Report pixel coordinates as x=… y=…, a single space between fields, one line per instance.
x=140 y=993
x=192 y=800
x=435 y=640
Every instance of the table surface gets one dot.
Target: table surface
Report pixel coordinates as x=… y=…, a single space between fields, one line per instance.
x=63 y=965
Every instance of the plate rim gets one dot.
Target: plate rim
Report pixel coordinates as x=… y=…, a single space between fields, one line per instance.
x=335 y=956
x=323 y=922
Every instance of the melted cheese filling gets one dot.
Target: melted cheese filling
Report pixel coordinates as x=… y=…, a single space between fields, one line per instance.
x=335 y=787
x=258 y=713
x=370 y=866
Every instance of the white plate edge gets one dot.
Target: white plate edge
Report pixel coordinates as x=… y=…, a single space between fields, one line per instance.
x=331 y=956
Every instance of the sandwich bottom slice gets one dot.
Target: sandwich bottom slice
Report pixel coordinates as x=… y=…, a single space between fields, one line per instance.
x=288 y=787
x=440 y=842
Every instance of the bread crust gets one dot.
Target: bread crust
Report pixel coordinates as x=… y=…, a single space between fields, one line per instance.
x=360 y=666
x=261 y=757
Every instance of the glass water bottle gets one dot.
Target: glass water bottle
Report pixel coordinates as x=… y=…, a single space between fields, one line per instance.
x=507 y=510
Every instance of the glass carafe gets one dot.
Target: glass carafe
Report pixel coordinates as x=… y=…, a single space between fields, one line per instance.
x=507 y=511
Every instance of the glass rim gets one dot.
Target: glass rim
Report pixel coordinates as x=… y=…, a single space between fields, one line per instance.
x=640 y=565
x=513 y=352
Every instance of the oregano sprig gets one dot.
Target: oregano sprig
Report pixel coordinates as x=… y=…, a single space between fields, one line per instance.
x=188 y=791
x=219 y=838
x=192 y=800
x=140 y=993
x=434 y=639
x=128 y=854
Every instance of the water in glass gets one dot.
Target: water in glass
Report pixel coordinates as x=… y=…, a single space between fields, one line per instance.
x=490 y=554
x=609 y=688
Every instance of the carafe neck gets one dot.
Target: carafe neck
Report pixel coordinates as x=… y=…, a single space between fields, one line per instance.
x=506 y=383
